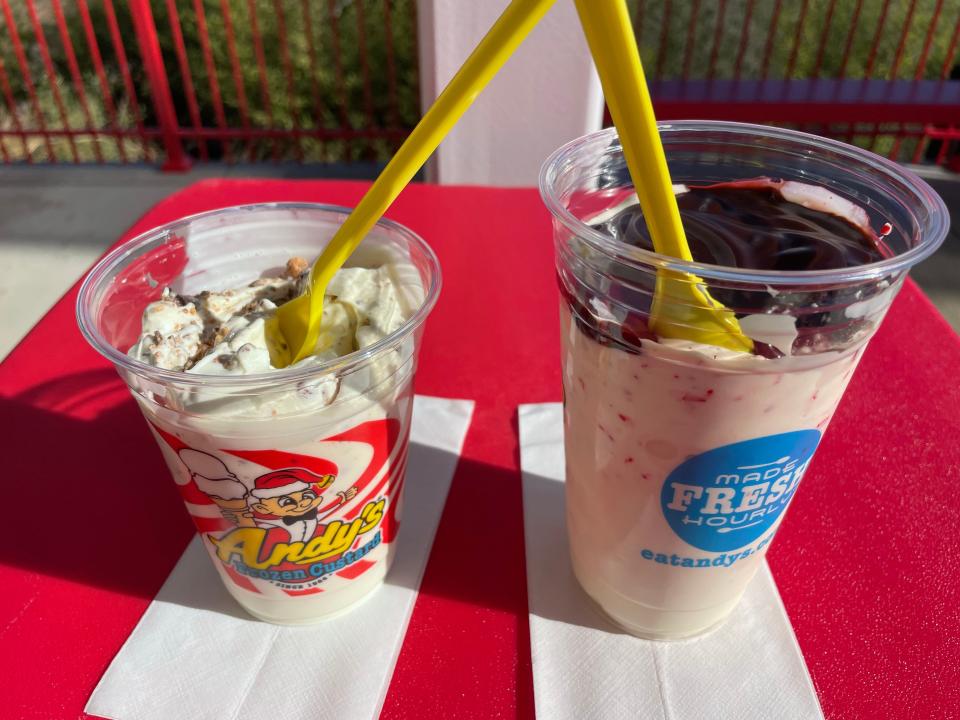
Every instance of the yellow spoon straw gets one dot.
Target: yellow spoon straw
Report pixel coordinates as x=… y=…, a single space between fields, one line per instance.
x=299 y=319
x=682 y=307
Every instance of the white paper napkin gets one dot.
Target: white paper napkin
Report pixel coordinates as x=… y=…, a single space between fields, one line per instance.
x=195 y=654
x=584 y=668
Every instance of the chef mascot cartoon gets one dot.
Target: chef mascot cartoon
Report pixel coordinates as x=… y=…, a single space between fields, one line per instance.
x=289 y=499
x=216 y=481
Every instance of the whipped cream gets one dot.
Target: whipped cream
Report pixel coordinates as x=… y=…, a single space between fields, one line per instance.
x=225 y=332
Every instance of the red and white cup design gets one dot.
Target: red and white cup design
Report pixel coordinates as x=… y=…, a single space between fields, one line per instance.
x=296 y=534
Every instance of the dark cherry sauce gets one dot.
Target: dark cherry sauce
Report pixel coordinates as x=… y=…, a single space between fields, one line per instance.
x=745 y=224
x=753 y=226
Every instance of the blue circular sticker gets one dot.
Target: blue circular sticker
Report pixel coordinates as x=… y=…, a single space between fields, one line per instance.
x=728 y=497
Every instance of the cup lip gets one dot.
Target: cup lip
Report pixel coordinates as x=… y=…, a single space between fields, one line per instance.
x=91 y=282
x=933 y=235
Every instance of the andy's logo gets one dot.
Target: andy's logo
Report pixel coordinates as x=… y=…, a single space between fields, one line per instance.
x=279 y=521
x=289 y=499
x=250 y=545
x=726 y=498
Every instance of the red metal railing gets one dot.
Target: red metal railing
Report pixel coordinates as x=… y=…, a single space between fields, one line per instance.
x=881 y=74
x=178 y=81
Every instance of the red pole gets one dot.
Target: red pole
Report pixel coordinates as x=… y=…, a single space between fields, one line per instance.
x=338 y=63
x=75 y=75
x=288 y=74
x=717 y=35
x=771 y=34
x=928 y=41
x=97 y=58
x=237 y=76
x=146 y=31
x=27 y=78
x=262 y=70
x=211 y=73
x=849 y=42
x=185 y=73
x=903 y=40
x=744 y=37
x=688 y=45
x=365 y=71
x=12 y=109
x=662 y=48
x=116 y=39
x=798 y=33
x=391 y=67
x=823 y=38
x=41 y=41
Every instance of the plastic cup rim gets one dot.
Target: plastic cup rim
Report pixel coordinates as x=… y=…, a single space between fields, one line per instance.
x=932 y=237
x=110 y=262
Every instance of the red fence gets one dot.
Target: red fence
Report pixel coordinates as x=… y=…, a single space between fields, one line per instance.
x=173 y=81
x=882 y=74
x=178 y=81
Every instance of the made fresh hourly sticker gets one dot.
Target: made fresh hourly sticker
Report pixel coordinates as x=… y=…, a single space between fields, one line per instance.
x=728 y=497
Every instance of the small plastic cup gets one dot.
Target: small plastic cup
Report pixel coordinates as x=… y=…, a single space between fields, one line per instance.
x=238 y=446
x=682 y=459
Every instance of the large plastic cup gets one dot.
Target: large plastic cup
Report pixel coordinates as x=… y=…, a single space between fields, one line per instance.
x=240 y=447
x=682 y=459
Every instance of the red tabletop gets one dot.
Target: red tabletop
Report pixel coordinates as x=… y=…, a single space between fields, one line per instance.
x=867 y=560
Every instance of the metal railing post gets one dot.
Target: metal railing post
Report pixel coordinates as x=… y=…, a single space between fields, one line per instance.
x=146 y=31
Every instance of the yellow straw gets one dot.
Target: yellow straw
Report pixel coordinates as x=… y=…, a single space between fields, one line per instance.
x=299 y=320
x=682 y=307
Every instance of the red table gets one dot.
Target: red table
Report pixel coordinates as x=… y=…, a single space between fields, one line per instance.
x=867 y=561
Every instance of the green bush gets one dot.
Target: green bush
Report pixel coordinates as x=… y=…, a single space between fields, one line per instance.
x=805 y=45
x=315 y=97
x=806 y=36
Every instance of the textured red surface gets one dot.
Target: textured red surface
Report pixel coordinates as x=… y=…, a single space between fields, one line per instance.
x=868 y=559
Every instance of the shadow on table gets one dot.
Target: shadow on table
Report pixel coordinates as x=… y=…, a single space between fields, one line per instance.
x=90 y=500
x=559 y=596
x=87 y=495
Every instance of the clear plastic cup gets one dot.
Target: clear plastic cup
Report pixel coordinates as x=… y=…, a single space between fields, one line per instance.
x=239 y=447
x=682 y=459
